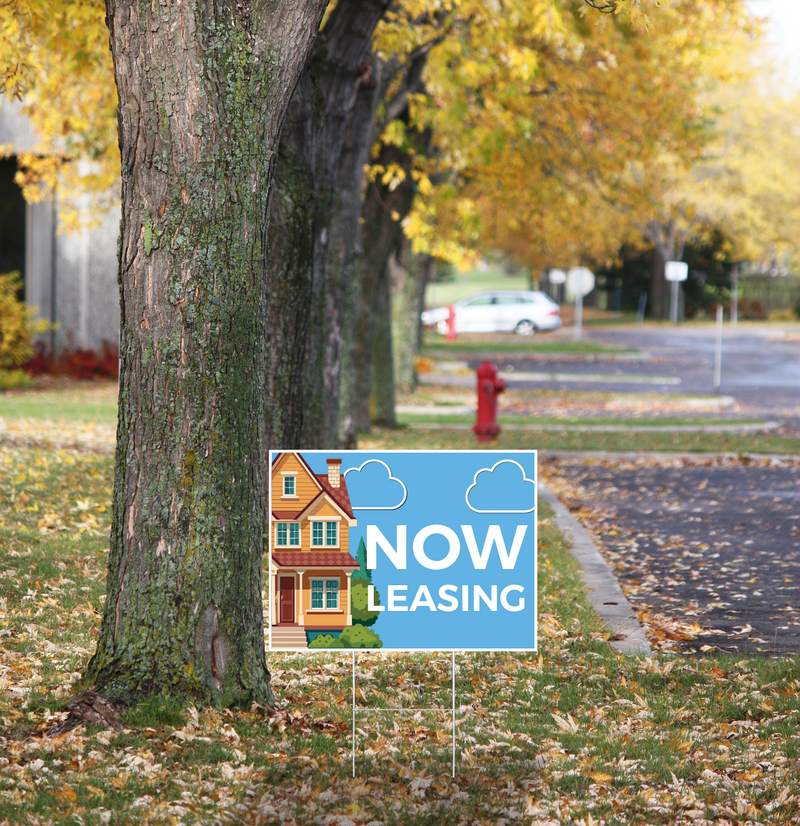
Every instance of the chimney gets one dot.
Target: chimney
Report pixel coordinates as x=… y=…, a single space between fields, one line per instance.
x=334 y=466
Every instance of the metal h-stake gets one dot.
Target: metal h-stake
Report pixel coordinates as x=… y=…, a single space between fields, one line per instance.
x=453 y=685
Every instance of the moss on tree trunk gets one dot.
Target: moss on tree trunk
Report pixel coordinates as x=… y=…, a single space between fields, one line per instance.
x=203 y=89
x=324 y=146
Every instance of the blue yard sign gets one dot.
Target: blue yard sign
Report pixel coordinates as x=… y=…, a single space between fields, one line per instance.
x=403 y=550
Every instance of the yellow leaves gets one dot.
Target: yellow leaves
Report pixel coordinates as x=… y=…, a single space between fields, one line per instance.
x=601 y=779
x=66 y=794
x=567 y=723
x=55 y=58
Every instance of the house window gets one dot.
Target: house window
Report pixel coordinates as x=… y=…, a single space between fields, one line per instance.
x=288 y=485
x=325 y=594
x=317 y=590
x=316 y=533
x=331 y=533
x=288 y=535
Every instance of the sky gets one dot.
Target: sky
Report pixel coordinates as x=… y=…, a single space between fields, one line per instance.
x=783 y=30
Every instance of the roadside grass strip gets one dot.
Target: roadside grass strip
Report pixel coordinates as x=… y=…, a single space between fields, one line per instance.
x=466 y=416
x=518 y=344
x=629 y=440
x=572 y=734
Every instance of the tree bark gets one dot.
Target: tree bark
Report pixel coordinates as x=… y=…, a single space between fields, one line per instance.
x=383 y=211
x=383 y=384
x=315 y=227
x=667 y=246
x=410 y=275
x=203 y=89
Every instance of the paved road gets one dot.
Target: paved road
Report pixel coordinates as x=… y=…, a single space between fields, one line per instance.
x=715 y=542
x=760 y=369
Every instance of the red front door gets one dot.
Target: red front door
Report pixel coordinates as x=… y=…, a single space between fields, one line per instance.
x=286 y=598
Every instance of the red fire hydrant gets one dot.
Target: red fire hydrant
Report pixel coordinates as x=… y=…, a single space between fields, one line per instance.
x=489 y=386
x=451 y=323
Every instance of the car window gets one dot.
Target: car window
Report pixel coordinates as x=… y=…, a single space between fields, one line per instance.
x=509 y=299
x=479 y=302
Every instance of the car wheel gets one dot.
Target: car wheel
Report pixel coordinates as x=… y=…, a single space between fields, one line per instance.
x=525 y=328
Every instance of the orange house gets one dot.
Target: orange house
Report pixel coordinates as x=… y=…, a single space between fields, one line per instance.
x=311 y=561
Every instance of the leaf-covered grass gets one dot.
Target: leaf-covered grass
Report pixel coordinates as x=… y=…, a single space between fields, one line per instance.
x=441 y=415
x=634 y=440
x=573 y=733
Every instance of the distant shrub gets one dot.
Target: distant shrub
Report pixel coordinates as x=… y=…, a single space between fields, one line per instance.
x=79 y=363
x=784 y=315
x=14 y=379
x=89 y=364
x=17 y=327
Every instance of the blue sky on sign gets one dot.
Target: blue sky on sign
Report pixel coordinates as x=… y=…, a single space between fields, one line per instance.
x=420 y=489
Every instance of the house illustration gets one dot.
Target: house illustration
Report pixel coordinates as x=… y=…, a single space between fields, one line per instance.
x=311 y=562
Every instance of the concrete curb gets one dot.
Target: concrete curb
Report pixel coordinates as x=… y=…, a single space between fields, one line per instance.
x=605 y=594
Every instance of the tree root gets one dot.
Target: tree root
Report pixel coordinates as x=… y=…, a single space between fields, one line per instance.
x=88 y=707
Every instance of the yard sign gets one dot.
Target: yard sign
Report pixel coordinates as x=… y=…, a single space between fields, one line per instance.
x=403 y=550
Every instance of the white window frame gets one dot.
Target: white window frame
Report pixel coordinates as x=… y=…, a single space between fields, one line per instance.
x=338 y=533
x=288 y=522
x=325 y=580
x=324 y=520
x=287 y=474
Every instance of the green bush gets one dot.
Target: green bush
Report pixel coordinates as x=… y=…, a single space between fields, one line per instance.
x=17 y=327
x=356 y=636
x=359 y=636
x=14 y=379
x=359 y=596
x=325 y=641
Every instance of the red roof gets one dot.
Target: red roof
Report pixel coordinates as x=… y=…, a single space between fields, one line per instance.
x=286 y=514
x=314 y=559
x=339 y=495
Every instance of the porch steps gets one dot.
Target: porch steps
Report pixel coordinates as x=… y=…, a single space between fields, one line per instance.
x=290 y=638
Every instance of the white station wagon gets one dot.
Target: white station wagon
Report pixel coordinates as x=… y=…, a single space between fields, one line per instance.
x=498 y=312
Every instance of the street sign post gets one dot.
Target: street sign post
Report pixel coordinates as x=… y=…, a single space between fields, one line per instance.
x=557 y=278
x=675 y=271
x=580 y=282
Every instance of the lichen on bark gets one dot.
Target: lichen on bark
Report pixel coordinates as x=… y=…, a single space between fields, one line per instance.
x=203 y=89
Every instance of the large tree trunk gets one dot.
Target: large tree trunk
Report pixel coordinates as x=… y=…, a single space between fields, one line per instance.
x=410 y=275
x=323 y=148
x=667 y=246
x=383 y=385
x=203 y=89
x=384 y=208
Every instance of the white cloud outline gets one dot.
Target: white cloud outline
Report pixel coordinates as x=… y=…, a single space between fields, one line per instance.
x=391 y=478
x=491 y=470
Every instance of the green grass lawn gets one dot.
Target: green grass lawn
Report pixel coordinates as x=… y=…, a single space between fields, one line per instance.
x=439 y=348
x=573 y=733
x=442 y=416
x=81 y=402
x=440 y=294
x=452 y=439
